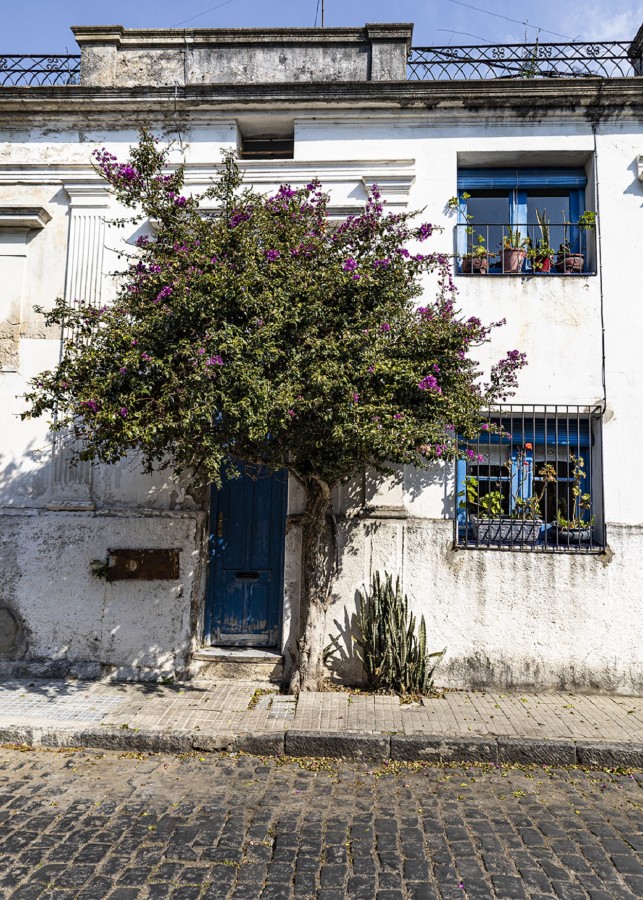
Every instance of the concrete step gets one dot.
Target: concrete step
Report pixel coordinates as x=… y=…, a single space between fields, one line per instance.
x=238 y=663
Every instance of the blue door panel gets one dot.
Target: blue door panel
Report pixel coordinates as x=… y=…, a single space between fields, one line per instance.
x=247 y=533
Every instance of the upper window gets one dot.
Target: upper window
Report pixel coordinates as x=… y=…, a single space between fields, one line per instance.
x=267 y=148
x=532 y=481
x=524 y=221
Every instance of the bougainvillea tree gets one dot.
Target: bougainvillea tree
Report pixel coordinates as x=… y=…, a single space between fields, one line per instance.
x=251 y=329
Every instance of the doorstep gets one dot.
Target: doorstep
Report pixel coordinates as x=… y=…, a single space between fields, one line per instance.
x=239 y=663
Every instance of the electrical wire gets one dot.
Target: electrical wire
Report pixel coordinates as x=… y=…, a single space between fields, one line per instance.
x=507 y=19
x=316 y=14
x=467 y=34
x=198 y=15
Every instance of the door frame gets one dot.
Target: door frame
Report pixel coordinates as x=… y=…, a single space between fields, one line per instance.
x=212 y=603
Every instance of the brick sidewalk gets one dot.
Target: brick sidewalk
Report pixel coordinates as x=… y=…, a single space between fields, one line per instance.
x=228 y=714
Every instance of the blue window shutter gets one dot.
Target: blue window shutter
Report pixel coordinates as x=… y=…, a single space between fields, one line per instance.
x=537 y=177
x=519 y=207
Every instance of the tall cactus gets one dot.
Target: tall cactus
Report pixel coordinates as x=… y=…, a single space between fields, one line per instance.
x=393 y=656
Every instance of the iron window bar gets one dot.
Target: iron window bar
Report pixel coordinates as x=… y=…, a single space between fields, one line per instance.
x=609 y=59
x=479 y=250
x=39 y=71
x=532 y=481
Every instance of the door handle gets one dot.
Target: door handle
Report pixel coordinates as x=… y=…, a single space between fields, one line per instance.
x=220 y=525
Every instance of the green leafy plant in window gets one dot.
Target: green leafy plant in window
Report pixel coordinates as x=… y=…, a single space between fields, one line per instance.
x=581 y=504
x=542 y=254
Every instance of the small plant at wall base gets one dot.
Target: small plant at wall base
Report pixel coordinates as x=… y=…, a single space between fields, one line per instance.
x=392 y=651
x=265 y=335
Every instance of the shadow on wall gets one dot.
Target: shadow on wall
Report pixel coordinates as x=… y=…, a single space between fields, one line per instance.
x=360 y=518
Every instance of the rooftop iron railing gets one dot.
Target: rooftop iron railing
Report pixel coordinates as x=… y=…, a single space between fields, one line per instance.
x=574 y=60
x=613 y=59
x=39 y=71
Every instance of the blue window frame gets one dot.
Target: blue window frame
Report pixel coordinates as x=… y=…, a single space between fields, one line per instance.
x=530 y=471
x=493 y=200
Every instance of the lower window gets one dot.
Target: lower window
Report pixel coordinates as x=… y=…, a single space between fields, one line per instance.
x=532 y=481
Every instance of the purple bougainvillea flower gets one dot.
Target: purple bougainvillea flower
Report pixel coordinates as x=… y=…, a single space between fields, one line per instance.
x=123 y=411
x=430 y=383
x=350 y=264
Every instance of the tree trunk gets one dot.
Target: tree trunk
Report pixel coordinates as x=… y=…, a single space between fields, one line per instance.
x=316 y=572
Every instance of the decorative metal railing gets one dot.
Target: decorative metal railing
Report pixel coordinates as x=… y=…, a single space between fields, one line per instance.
x=604 y=60
x=532 y=481
x=483 y=249
x=39 y=71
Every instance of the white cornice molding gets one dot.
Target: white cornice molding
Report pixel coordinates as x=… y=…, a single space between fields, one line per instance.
x=39 y=173
x=394 y=176
x=23 y=218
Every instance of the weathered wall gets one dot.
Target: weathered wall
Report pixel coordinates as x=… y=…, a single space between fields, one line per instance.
x=111 y=55
x=508 y=619
x=69 y=619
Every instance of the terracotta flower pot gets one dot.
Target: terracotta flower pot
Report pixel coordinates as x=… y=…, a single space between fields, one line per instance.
x=571 y=262
x=477 y=265
x=542 y=263
x=512 y=260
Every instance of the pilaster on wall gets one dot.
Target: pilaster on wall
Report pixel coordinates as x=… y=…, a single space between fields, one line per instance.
x=72 y=482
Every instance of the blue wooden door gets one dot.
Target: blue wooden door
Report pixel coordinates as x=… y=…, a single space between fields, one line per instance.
x=247 y=534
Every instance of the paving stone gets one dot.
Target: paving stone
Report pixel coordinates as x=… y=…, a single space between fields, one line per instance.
x=249 y=829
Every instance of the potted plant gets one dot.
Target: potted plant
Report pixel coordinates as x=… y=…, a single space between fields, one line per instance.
x=514 y=251
x=570 y=261
x=578 y=528
x=523 y=525
x=476 y=261
x=542 y=254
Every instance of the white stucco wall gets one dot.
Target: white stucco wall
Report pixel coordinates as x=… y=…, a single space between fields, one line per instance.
x=507 y=619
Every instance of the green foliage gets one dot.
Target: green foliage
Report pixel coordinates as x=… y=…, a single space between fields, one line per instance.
x=490 y=505
x=513 y=240
x=260 y=332
x=581 y=500
x=393 y=654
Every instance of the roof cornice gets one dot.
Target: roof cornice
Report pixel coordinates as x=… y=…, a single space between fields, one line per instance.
x=600 y=98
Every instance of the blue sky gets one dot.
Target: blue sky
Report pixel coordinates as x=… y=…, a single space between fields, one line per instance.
x=40 y=26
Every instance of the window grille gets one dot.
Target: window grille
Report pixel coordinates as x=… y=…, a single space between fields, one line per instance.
x=532 y=481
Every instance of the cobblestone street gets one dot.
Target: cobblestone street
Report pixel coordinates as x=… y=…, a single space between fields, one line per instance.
x=88 y=824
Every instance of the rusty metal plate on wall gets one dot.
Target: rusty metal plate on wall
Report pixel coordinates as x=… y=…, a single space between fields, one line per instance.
x=144 y=565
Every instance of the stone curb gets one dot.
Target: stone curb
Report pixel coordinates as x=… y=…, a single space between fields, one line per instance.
x=338 y=745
